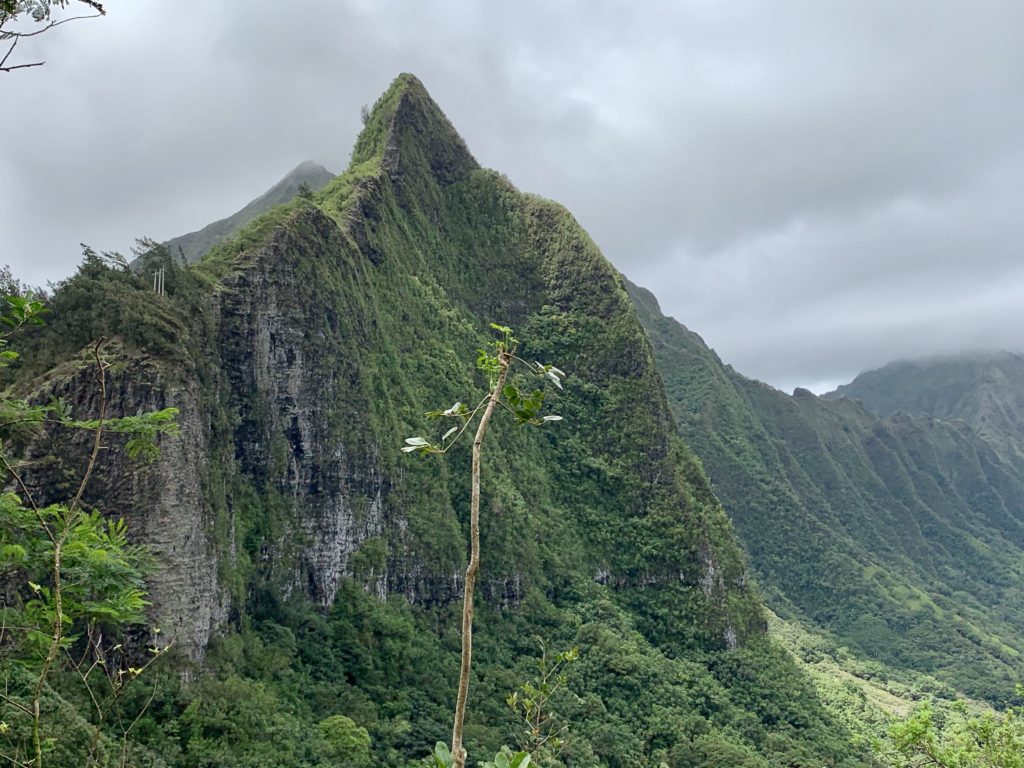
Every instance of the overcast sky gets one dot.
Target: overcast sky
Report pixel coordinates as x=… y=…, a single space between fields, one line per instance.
x=814 y=187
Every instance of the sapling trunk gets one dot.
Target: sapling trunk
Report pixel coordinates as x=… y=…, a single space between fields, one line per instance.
x=458 y=751
x=526 y=410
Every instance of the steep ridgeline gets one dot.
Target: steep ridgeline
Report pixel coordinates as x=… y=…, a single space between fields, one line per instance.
x=902 y=536
x=985 y=389
x=301 y=352
x=195 y=245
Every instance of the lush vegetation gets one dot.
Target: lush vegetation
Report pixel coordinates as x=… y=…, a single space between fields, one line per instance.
x=901 y=537
x=313 y=338
x=354 y=307
x=69 y=577
x=957 y=739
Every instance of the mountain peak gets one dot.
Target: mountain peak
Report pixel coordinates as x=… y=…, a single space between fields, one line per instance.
x=407 y=130
x=306 y=169
x=192 y=246
x=981 y=387
x=306 y=172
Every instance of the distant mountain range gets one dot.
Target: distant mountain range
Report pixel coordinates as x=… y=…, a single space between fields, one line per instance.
x=194 y=245
x=900 y=533
x=985 y=389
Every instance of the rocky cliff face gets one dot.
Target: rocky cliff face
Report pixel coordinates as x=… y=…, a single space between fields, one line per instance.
x=291 y=344
x=164 y=502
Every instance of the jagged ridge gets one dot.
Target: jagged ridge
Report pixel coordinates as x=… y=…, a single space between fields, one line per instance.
x=985 y=389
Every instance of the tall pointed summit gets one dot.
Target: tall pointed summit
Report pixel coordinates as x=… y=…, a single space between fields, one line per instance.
x=408 y=129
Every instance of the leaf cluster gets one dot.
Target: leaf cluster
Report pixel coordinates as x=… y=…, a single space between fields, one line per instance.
x=442 y=758
x=101 y=575
x=40 y=10
x=524 y=406
x=542 y=732
x=19 y=312
x=989 y=740
x=142 y=430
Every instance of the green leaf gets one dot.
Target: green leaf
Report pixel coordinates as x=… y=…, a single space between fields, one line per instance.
x=442 y=755
x=520 y=760
x=447 y=434
x=552 y=417
x=416 y=441
x=13 y=552
x=488 y=363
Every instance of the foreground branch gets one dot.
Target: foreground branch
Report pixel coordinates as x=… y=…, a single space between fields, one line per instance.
x=9 y=16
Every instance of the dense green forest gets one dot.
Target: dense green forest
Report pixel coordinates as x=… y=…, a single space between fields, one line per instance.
x=308 y=573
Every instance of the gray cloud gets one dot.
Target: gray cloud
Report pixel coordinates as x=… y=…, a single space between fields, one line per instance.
x=814 y=187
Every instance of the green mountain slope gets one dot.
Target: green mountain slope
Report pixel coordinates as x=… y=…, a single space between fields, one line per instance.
x=985 y=389
x=194 y=245
x=901 y=536
x=324 y=566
